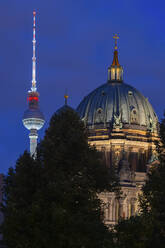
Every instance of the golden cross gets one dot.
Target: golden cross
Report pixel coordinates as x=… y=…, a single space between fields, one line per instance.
x=66 y=98
x=116 y=37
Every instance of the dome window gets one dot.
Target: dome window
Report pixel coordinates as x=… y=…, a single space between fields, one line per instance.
x=99 y=117
x=134 y=116
x=130 y=93
x=99 y=111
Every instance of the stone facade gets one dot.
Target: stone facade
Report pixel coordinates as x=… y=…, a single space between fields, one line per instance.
x=127 y=204
x=131 y=152
x=137 y=145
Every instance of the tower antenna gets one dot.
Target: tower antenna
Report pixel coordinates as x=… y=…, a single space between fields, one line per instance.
x=34 y=54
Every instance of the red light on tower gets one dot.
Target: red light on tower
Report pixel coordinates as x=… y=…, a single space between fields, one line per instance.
x=32 y=98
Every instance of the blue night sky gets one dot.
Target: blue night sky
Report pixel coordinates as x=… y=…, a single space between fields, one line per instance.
x=74 y=49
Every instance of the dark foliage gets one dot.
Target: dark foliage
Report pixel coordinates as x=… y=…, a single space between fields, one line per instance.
x=20 y=194
x=134 y=232
x=53 y=201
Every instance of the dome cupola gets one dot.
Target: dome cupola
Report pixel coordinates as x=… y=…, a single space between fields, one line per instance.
x=117 y=105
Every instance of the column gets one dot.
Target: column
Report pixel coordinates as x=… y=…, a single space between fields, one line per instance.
x=133 y=202
x=121 y=208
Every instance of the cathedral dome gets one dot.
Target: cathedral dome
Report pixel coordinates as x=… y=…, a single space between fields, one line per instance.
x=65 y=107
x=117 y=103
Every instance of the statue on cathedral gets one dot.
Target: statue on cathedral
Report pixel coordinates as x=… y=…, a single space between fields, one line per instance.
x=117 y=121
x=152 y=125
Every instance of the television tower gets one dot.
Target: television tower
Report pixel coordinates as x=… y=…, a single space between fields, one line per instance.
x=33 y=118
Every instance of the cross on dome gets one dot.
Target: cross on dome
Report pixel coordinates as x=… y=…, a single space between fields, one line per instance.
x=115 y=37
x=66 y=99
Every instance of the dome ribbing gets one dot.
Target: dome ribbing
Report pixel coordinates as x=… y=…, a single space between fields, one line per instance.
x=119 y=104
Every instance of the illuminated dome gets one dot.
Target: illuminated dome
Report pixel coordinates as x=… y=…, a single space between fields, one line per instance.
x=117 y=102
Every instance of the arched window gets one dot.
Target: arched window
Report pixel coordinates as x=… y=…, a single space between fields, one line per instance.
x=134 y=116
x=99 y=115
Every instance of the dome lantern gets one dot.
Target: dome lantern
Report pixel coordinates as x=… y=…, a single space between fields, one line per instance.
x=115 y=71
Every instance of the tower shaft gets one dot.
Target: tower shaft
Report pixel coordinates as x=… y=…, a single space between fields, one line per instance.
x=33 y=136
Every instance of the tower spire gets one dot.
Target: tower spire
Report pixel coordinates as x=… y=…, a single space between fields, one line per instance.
x=115 y=71
x=115 y=56
x=34 y=54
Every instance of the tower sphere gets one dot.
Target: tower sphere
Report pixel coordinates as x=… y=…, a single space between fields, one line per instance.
x=33 y=118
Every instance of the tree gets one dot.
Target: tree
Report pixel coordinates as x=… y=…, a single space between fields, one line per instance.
x=61 y=207
x=74 y=175
x=19 y=203
x=134 y=232
x=153 y=197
